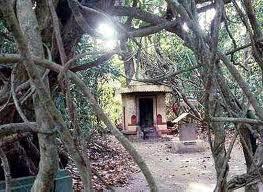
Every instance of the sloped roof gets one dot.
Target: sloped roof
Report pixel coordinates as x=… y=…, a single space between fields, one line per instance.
x=145 y=88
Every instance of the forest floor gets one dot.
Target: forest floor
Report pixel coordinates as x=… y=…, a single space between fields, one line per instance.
x=188 y=172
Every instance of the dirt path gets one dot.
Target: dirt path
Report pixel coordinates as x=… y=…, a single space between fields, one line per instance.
x=190 y=172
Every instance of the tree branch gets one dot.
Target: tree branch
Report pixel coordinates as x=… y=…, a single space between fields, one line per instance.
x=243 y=180
x=6 y=169
x=153 y=29
x=242 y=84
x=102 y=59
x=89 y=97
x=18 y=108
x=12 y=128
x=236 y=120
x=222 y=174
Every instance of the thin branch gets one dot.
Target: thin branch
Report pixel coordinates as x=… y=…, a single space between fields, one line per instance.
x=252 y=26
x=256 y=168
x=18 y=108
x=65 y=85
x=229 y=34
x=242 y=84
x=57 y=32
x=222 y=173
x=80 y=19
x=14 y=58
x=59 y=41
x=252 y=18
x=90 y=98
x=187 y=102
x=6 y=169
x=122 y=139
x=236 y=120
x=28 y=94
x=196 y=29
x=243 y=180
x=6 y=103
x=77 y=6
x=2 y=77
x=156 y=79
x=22 y=86
x=52 y=114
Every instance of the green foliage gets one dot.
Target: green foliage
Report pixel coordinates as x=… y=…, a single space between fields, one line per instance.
x=259 y=12
x=103 y=82
x=7 y=43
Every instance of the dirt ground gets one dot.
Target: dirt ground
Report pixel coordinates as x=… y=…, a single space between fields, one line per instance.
x=188 y=172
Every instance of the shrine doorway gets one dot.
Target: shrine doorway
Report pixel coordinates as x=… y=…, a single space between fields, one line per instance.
x=146 y=112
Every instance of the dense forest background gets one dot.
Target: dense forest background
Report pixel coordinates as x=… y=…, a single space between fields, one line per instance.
x=62 y=63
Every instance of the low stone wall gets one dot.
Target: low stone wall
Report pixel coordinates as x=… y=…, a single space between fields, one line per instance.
x=177 y=146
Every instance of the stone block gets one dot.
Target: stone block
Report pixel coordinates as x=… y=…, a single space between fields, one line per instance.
x=192 y=146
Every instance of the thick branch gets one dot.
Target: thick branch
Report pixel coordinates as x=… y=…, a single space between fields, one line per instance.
x=236 y=120
x=102 y=59
x=221 y=175
x=243 y=180
x=123 y=140
x=153 y=29
x=53 y=116
x=8 y=129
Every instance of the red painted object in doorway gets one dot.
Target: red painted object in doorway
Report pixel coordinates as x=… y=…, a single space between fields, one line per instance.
x=133 y=120
x=159 y=119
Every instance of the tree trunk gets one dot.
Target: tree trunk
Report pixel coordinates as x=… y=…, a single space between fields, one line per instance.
x=48 y=164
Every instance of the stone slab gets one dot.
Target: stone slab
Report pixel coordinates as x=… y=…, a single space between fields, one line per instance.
x=193 y=146
x=187 y=132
